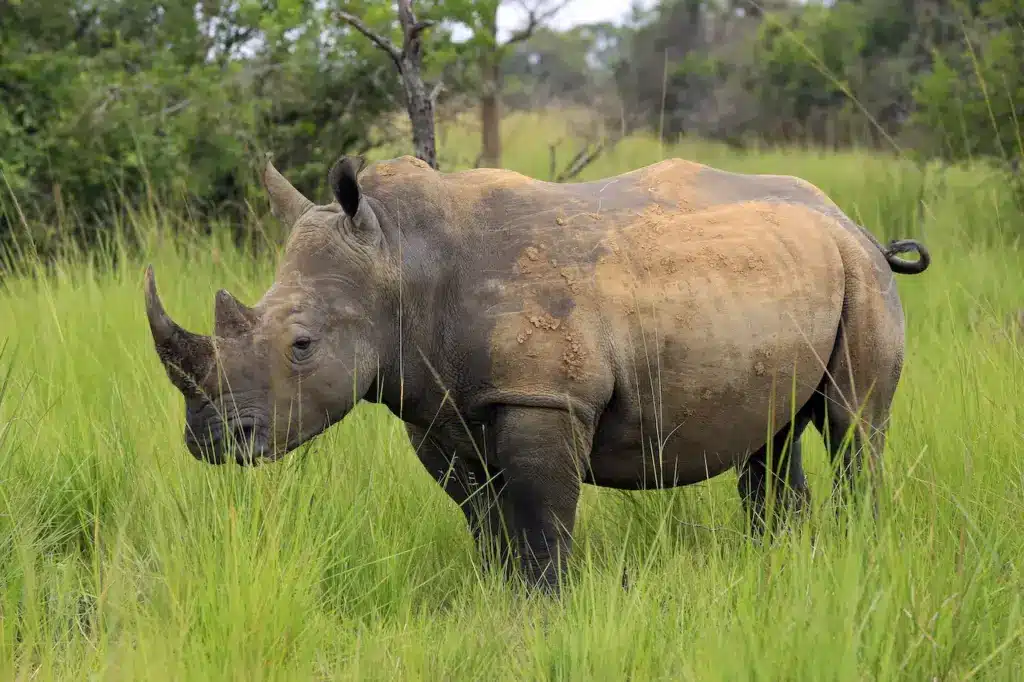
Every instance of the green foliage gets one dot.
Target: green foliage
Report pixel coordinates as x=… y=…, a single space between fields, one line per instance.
x=480 y=60
x=480 y=17
x=655 y=70
x=439 y=52
x=163 y=102
x=572 y=66
x=973 y=100
x=802 y=67
x=930 y=77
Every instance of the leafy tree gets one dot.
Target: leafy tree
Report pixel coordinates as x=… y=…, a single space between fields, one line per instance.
x=572 y=66
x=972 y=103
x=657 y=72
x=485 y=54
x=113 y=101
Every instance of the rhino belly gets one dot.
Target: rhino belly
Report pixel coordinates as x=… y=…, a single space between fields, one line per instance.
x=696 y=420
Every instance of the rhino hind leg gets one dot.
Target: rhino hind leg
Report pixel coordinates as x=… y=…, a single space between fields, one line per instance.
x=853 y=434
x=771 y=481
x=476 y=491
x=854 y=400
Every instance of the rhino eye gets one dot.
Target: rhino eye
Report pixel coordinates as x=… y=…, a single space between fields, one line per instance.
x=301 y=348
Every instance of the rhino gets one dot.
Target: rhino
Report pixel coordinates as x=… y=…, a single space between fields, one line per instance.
x=643 y=331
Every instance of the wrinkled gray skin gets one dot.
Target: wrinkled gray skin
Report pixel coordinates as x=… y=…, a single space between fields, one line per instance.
x=518 y=314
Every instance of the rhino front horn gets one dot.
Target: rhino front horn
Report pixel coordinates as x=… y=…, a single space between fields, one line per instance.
x=286 y=202
x=185 y=356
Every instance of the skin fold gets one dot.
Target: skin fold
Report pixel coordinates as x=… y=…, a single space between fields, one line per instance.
x=644 y=331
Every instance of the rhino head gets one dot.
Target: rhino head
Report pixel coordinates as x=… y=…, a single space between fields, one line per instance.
x=277 y=374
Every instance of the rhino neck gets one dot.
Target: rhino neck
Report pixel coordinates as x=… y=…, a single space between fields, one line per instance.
x=423 y=334
x=461 y=236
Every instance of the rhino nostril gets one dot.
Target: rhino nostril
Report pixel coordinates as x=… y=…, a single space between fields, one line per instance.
x=244 y=434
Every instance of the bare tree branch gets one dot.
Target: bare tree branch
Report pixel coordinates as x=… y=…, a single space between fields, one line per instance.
x=535 y=16
x=412 y=30
x=175 y=108
x=379 y=40
x=586 y=156
x=419 y=27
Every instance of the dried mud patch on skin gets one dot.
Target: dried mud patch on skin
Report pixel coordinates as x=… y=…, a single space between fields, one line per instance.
x=573 y=357
x=546 y=332
x=403 y=164
x=681 y=269
x=644 y=236
x=563 y=220
x=536 y=260
x=688 y=316
x=768 y=215
x=530 y=262
x=573 y=280
x=545 y=321
x=529 y=334
x=553 y=347
x=540 y=270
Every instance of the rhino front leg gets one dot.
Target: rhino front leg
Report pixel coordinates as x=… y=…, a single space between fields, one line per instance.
x=469 y=485
x=541 y=452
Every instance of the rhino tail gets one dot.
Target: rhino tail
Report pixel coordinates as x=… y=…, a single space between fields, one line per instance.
x=907 y=267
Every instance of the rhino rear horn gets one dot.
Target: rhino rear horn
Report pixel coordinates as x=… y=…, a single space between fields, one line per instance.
x=230 y=316
x=286 y=202
x=185 y=356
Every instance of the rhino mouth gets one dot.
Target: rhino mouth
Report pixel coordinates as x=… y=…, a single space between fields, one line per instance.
x=243 y=437
x=248 y=440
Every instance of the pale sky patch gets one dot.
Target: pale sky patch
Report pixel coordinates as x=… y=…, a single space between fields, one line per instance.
x=512 y=17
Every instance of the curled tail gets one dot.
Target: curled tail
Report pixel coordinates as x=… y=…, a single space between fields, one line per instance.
x=907 y=267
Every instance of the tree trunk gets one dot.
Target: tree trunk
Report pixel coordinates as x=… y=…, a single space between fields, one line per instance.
x=490 y=116
x=421 y=112
x=409 y=62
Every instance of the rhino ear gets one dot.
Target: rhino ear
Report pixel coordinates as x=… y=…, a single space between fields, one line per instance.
x=344 y=181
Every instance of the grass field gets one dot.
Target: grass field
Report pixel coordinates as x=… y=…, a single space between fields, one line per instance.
x=123 y=558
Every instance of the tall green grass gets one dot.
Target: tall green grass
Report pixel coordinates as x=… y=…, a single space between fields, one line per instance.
x=121 y=557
